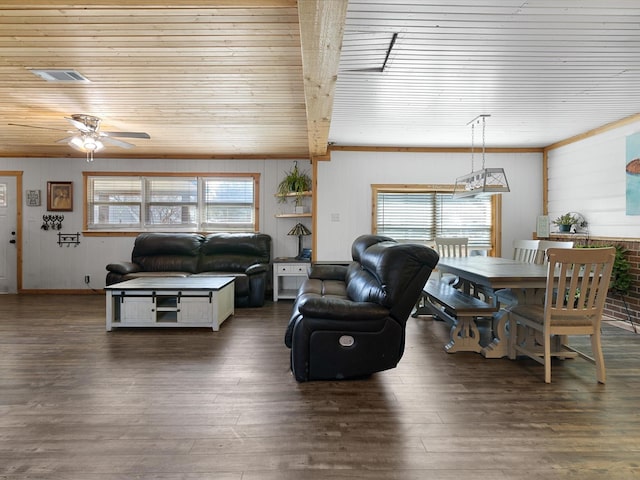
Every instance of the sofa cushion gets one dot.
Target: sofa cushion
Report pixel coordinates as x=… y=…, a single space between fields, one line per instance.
x=161 y=252
x=364 y=287
x=335 y=288
x=234 y=252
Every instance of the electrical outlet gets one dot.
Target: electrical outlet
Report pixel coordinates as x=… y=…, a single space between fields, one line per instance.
x=87 y=279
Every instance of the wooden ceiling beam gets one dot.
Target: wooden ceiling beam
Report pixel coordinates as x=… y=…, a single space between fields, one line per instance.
x=321 y=30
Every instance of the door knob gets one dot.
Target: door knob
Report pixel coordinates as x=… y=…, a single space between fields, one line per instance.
x=12 y=241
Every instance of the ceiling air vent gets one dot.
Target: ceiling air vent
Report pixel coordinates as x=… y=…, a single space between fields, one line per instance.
x=59 y=75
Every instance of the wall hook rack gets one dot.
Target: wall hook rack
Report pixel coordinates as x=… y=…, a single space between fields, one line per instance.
x=69 y=239
x=52 y=222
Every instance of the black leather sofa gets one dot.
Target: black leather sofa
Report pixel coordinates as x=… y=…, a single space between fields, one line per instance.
x=349 y=321
x=245 y=256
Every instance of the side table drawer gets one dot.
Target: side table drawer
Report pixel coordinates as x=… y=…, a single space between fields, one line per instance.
x=297 y=268
x=300 y=268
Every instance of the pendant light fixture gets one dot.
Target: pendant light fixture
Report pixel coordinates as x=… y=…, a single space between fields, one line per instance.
x=486 y=181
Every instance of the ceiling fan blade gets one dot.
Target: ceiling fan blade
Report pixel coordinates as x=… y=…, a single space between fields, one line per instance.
x=126 y=134
x=116 y=142
x=43 y=128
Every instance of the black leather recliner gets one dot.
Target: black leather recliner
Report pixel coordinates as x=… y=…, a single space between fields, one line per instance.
x=349 y=321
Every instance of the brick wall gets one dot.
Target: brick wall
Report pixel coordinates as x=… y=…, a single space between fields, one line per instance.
x=615 y=305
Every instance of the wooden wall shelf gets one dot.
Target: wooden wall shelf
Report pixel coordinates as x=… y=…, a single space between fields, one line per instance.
x=294 y=194
x=293 y=215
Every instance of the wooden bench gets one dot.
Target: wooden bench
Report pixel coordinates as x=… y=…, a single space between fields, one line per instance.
x=460 y=310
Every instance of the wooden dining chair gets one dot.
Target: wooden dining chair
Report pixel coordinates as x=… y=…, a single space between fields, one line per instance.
x=526 y=251
x=544 y=245
x=577 y=284
x=452 y=246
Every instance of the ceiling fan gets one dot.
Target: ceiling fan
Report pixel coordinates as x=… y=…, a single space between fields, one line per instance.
x=87 y=137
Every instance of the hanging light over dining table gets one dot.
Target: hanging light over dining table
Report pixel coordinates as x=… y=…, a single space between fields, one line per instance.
x=486 y=181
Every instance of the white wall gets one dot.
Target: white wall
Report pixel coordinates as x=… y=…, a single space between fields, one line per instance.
x=586 y=177
x=344 y=207
x=49 y=266
x=344 y=188
x=589 y=177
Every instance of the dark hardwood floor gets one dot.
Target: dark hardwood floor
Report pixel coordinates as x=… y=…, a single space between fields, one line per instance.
x=77 y=402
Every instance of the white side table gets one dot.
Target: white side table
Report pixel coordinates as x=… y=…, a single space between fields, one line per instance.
x=288 y=267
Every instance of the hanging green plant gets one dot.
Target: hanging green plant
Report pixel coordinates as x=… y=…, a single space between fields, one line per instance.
x=620 y=283
x=295 y=182
x=620 y=277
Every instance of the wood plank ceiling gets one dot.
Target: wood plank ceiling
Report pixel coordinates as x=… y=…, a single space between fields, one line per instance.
x=204 y=78
x=274 y=79
x=545 y=70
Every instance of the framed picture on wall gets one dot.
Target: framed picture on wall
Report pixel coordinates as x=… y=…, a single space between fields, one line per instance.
x=60 y=196
x=33 y=198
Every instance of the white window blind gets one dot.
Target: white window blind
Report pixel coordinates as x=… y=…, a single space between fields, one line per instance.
x=225 y=203
x=171 y=202
x=114 y=202
x=422 y=216
x=229 y=203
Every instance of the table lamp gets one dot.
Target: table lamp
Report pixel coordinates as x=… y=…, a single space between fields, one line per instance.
x=300 y=230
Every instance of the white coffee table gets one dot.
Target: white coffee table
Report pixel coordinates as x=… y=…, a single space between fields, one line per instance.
x=170 y=302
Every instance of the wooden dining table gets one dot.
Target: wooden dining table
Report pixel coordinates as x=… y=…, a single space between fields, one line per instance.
x=526 y=281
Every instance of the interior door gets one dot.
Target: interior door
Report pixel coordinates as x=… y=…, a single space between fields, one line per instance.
x=8 y=235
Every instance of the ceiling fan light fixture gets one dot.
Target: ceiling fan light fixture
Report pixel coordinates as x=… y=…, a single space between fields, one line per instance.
x=91 y=144
x=86 y=143
x=77 y=142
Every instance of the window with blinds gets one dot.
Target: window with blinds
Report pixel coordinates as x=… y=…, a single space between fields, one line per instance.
x=229 y=204
x=420 y=216
x=184 y=203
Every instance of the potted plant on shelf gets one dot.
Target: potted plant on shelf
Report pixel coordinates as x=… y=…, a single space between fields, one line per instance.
x=295 y=182
x=565 y=222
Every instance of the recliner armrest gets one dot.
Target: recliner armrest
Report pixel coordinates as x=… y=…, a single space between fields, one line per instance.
x=341 y=309
x=257 y=268
x=328 y=272
x=124 y=267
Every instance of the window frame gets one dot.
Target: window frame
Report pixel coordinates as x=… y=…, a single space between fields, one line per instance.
x=496 y=208
x=135 y=230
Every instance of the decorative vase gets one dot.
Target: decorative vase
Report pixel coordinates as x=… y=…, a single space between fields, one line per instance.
x=564 y=228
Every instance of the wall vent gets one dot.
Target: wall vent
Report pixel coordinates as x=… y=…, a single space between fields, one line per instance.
x=59 y=75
